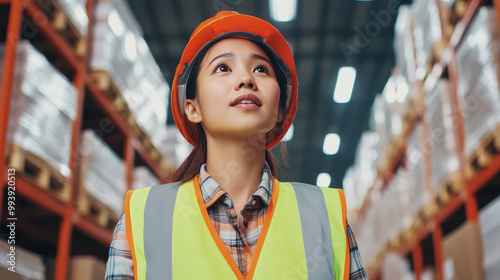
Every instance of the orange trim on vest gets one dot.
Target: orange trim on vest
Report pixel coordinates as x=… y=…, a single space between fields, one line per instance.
x=347 y=261
x=220 y=244
x=128 y=228
x=265 y=228
x=213 y=232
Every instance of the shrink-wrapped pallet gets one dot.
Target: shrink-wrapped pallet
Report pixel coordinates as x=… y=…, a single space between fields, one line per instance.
x=388 y=111
x=361 y=176
x=396 y=267
x=369 y=233
x=406 y=196
x=120 y=51
x=174 y=148
x=442 y=133
x=366 y=159
x=416 y=172
x=143 y=177
x=350 y=184
x=27 y=264
x=478 y=78
x=404 y=43
x=490 y=232
x=427 y=31
x=379 y=125
x=43 y=108
x=75 y=9
x=102 y=173
x=392 y=218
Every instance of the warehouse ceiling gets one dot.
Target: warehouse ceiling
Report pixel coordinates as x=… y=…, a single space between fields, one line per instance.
x=325 y=35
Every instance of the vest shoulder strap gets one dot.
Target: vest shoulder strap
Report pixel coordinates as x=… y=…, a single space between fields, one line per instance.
x=314 y=202
x=161 y=201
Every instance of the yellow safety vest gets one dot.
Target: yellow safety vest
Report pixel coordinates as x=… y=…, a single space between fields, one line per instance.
x=171 y=235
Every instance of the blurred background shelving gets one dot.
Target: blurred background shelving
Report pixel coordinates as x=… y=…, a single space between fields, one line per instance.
x=84 y=117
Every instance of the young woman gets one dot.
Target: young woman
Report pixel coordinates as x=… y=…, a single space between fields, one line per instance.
x=225 y=215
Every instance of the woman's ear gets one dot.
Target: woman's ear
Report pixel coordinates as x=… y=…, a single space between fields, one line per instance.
x=192 y=111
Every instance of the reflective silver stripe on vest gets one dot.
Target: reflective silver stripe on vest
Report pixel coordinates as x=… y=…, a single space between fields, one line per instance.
x=315 y=231
x=158 y=220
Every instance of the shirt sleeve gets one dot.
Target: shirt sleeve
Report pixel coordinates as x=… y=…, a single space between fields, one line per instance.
x=356 y=271
x=120 y=264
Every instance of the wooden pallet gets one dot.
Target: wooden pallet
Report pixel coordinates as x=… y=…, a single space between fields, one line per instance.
x=63 y=24
x=418 y=223
x=452 y=185
x=106 y=84
x=96 y=211
x=435 y=55
x=38 y=171
x=429 y=210
x=395 y=242
x=482 y=156
x=407 y=235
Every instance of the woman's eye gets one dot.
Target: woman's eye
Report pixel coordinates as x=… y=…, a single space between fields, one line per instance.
x=262 y=69
x=221 y=68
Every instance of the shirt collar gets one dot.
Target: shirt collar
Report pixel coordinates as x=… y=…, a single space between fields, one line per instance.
x=212 y=191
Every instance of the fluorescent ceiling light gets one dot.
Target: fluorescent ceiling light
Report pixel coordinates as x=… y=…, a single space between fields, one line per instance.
x=324 y=180
x=331 y=144
x=344 y=85
x=289 y=134
x=283 y=10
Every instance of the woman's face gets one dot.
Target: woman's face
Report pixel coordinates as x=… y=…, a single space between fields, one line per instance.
x=238 y=93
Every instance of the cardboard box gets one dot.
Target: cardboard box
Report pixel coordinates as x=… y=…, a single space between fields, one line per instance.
x=463 y=254
x=86 y=268
x=5 y=274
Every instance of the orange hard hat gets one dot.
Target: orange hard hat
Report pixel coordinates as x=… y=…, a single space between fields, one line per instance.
x=224 y=25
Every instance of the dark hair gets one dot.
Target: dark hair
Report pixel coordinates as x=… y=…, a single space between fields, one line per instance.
x=198 y=156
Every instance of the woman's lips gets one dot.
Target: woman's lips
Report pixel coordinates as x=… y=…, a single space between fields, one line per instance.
x=247 y=101
x=246 y=106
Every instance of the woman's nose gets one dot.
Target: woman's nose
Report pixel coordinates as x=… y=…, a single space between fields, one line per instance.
x=245 y=80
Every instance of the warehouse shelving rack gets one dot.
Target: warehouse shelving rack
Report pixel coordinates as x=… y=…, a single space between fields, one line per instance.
x=76 y=233
x=424 y=244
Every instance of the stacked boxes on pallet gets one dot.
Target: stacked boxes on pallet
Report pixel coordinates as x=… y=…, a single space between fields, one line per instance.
x=368 y=229
x=27 y=264
x=396 y=267
x=415 y=154
x=120 y=51
x=359 y=177
x=143 y=177
x=388 y=111
x=478 y=78
x=403 y=44
x=427 y=32
x=432 y=154
x=378 y=124
x=75 y=9
x=102 y=173
x=442 y=133
x=490 y=233
x=174 y=147
x=406 y=197
x=43 y=108
x=391 y=212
